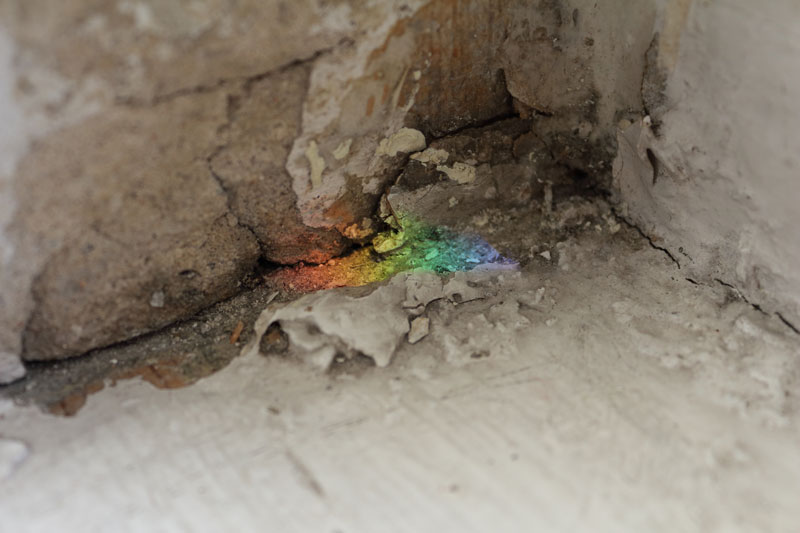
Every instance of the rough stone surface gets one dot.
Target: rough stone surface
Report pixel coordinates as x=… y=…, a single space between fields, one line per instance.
x=125 y=206
x=145 y=50
x=662 y=404
x=712 y=174
x=452 y=64
x=151 y=135
x=114 y=110
x=265 y=117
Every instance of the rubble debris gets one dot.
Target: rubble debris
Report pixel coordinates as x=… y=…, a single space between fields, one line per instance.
x=421 y=289
x=237 y=331
x=434 y=156
x=458 y=290
x=323 y=325
x=406 y=140
x=420 y=327
x=157 y=299
x=461 y=173
x=343 y=150
x=386 y=242
x=531 y=297
x=505 y=315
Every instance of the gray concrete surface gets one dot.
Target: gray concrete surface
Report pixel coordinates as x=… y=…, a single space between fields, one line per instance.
x=608 y=393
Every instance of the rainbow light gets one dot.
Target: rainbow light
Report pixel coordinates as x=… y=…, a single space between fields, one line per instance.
x=424 y=248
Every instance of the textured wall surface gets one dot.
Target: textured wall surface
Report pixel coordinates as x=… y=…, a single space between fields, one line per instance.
x=158 y=148
x=154 y=150
x=720 y=187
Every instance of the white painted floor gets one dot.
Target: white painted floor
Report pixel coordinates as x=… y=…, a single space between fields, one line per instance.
x=625 y=400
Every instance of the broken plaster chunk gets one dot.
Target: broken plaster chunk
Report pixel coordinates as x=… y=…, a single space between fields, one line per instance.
x=386 y=242
x=434 y=156
x=322 y=324
x=422 y=288
x=458 y=290
x=317 y=164
x=481 y=219
x=613 y=225
x=420 y=327
x=157 y=299
x=531 y=297
x=343 y=150
x=461 y=173
x=360 y=232
x=506 y=315
x=406 y=140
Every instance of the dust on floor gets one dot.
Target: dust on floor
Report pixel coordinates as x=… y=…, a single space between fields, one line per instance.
x=595 y=389
x=588 y=386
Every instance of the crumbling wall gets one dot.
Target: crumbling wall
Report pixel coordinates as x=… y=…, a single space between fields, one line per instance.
x=114 y=222
x=153 y=151
x=711 y=173
x=158 y=148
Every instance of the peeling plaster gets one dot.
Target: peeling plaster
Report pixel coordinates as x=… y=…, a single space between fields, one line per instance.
x=343 y=150
x=316 y=163
x=406 y=140
x=461 y=173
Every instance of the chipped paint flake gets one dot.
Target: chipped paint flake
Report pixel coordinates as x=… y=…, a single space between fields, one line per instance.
x=343 y=150
x=317 y=164
x=434 y=156
x=460 y=172
x=406 y=140
x=420 y=327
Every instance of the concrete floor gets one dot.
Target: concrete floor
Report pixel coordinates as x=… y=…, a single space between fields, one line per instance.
x=597 y=391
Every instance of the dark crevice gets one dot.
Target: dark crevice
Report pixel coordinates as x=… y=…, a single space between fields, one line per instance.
x=49 y=381
x=654 y=162
x=541 y=112
x=646 y=237
x=250 y=80
x=741 y=296
x=757 y=307
x=506 y=115
x=228 y=195
x=788 y=324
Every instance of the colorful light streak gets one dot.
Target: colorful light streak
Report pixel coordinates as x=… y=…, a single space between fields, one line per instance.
x=420 y=247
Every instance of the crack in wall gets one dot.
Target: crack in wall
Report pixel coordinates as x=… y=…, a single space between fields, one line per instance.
x=228 y=194
x=756 y=306
x=787 y=323
x=245 y=83
x=735 y=290
x=639 y=230
x=228 y=82
x=222 y=84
